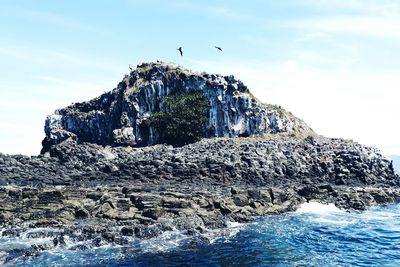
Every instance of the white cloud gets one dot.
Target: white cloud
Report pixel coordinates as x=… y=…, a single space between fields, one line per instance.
x=23 y=109
x=340 y=102
x=362 y=25
x=65 y=87
x=376 y=18
x=52 y=18
x=41 y=81
x=217 y=10
x=381 y=7
x=34 y=56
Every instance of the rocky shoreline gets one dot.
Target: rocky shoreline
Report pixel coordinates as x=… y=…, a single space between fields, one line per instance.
x=105 y=176
x=108 y=195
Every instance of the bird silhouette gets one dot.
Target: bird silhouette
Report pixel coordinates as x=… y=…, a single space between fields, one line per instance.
x=219 y=48
x=180 y=51
x=130 y=67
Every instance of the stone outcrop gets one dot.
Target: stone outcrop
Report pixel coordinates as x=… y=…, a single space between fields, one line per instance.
x=252 y=161
x=104 y=179
x=118 y=117
x=91 y=195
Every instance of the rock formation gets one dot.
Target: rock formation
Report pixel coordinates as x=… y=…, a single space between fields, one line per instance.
x=118 y=117
x=104 y=178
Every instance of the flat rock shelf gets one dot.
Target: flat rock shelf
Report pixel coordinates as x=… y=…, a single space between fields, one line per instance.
x=107 y=193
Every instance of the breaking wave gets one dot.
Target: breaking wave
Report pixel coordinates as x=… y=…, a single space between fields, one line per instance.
x=315 y=235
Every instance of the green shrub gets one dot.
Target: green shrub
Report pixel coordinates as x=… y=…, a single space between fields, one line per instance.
x=184 y=119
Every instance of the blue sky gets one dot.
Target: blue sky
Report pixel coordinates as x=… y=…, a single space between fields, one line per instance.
x=333 y=63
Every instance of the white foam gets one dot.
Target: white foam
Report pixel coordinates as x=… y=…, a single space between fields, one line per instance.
x=165 y=242
x=230 y=224
x=239 y=126
x=225 y=234
x=334 y=220
x=314 y=207
x=24 y=243
x=234 y=228
x=326 y=214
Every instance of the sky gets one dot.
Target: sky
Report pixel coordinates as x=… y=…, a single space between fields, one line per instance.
x=333 y=63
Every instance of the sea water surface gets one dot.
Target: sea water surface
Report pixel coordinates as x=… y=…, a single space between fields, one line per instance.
x=315 y=235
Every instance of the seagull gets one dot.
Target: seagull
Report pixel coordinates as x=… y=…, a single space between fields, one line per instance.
x=219 y=48
x=180 y=51
x=130 y=67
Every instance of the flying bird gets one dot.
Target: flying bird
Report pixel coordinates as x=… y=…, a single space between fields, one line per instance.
x=180 y=51
x=219 y=48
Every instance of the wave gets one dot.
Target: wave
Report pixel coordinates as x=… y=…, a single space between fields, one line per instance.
x=316 y=234
x=314 y=207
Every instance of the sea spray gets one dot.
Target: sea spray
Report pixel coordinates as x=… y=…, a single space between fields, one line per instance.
x=308 y=236
x=314 y=207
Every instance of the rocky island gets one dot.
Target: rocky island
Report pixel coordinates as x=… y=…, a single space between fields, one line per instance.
x=108 y=172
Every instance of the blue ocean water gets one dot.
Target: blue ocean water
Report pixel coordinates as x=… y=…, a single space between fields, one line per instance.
x=315 y=235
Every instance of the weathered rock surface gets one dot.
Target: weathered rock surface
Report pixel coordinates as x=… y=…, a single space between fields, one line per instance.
x=257 y=161
x=97 y=181
x=96 y=216
x=118 y=117
x=194 y=187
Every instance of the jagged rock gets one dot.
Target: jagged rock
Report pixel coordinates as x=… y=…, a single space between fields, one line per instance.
x=174 y=203
x=198 y=241
x=152 y=213
x=100 y=181
x=118 y=117
x=126 y=231
x=124 y=136
x=241 y=200
x=81 y=213
x=51 y=196
x=148 y=232
x=5 y=216
x=59 y=241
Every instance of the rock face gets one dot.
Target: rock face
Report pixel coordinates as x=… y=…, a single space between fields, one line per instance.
x=101 y=184
x=93 y=195
x=251 y=161
x=118 y=117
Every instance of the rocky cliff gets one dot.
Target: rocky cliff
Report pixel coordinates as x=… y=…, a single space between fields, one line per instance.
x=118 y=117
x=97 y=182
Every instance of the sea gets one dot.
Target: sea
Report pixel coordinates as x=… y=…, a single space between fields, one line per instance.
x=314 y=235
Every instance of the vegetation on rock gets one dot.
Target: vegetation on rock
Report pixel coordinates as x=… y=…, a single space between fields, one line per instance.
x=183 y=120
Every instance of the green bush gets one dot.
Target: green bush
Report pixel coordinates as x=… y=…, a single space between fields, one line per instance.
x=184 y=119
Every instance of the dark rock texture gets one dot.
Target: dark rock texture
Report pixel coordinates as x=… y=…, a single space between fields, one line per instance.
x=211 y=181
x=118 y=117
x=253 y=161
x=95 y=183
